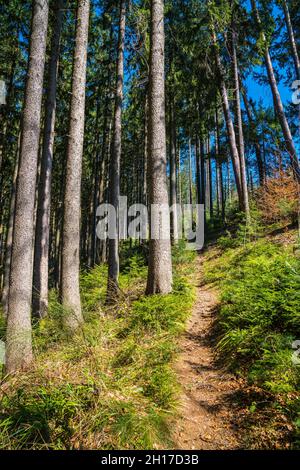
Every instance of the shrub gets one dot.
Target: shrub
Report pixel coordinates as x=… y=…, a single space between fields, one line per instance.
x=278 y=199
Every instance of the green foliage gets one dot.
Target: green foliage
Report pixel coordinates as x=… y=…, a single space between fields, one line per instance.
x=110 y=386
x=259 y=316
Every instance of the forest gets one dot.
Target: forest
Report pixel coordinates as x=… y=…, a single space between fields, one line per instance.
x=149 y=225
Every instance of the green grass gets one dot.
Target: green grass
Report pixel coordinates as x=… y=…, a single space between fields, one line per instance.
x=259 y=317
x=112 y=385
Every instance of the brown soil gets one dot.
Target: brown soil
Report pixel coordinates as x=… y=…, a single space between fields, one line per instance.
x=208 y=409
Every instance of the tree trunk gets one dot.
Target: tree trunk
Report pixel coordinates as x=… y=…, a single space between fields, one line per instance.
x=145 y=162
x=114 y=186
x=208 y=186
x=70 y=291
x=41 y=252
x=229 y=123
x=289 y=142
x=160 y=263
x=9 y=241
x=291 y=38
x=258 y=152
x=198 y=169
x=239 y=126
x=219 y=171
x=173 y=192
x=190 y=182
x=18 y=339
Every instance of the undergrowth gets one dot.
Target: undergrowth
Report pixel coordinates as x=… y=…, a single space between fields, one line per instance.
x=258 y=321
x=112 y=385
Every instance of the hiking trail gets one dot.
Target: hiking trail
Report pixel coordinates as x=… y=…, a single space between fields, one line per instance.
x=207 y=414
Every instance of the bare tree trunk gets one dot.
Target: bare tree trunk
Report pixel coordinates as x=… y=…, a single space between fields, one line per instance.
x=9 y=241
x=219 y=169
x=70 y=291
x=289 y=142
x=114 y=186
x=239 y=127
x=258 y=152
x=160 y=263
x=144 y=198
x=229 y=123
x=291 y=38
x=209 y=189
x=41 y=252
x=18 y=338
x=198 y=169
x=173 y=192
x=190 y=181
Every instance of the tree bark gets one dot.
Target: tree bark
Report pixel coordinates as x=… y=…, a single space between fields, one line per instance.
x=9 y=241
x=239 y=126
x=190 y=182
x=114 y=186
x=18 y=339
x=160 y=264
x=220 y=192
x=173 y=192
x=229 y=124
x=70 y=291
x=41 y=252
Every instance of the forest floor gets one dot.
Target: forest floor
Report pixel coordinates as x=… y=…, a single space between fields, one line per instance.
x=208 y=408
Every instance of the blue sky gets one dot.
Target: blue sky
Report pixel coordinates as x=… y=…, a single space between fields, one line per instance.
x=263 y=92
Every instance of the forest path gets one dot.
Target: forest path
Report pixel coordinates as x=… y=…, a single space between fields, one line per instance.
x=207 y=411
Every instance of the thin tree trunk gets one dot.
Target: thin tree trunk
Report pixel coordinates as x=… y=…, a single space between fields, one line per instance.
x=160 y=264
x=291 y=38
x=210 y=191
x=219 y=171
x=9 y=241
x=198 y=169
x=239 y=127
x=173 y=192
x=114 y=188
x=70 y=291
x=289 y=142
x=191 y=182
x=18 y=338
x=258 y=152
x=229 y=123
x=144 y=198
x=41 y=252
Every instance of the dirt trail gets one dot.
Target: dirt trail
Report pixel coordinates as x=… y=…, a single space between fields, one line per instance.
x=207 y=414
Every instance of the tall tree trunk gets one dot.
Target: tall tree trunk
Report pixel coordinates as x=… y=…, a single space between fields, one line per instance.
x=258 y=151
x=291 y=38
x=114 y=184
x=144 y=197
x=198 y=169
x=9 y=241
x=70 y=291
x=160 y=263
x=190 y=182
x=209 y=185
x=219 y=172
x=18 y=338
x=173 y=192
x=239 y=126
x=289 y=142
x=229 y=124
x=41 y=252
